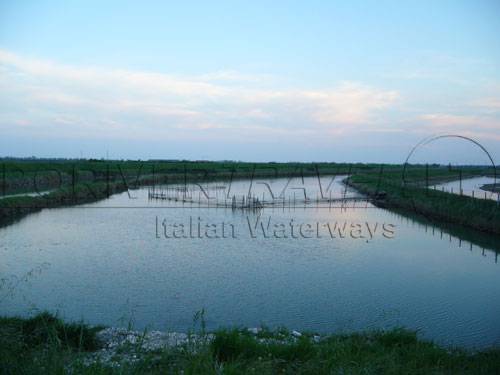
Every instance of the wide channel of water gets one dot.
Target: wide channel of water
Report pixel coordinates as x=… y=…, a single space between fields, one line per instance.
x=318 y=267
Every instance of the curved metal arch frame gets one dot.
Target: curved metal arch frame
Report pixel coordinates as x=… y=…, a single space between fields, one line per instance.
x=430 y=139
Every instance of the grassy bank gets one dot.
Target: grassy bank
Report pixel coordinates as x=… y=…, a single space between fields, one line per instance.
x=494 y=188
x=84 y=181
x=44 y=344
x=18 y=176
x=436 y=206
x=15 y=208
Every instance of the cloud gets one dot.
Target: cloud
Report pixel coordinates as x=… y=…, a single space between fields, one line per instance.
x=475 y=126
x=41 y=98
x=488 y=105
x=448 y=120
x=47 y=96
x=351 y=103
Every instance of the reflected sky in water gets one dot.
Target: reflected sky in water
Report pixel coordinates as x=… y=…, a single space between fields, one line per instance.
x=104 y=263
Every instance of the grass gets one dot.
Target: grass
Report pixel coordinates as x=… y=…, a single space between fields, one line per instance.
x=45 y=344
x=42 y=343
x=436 y=206
x=83 y=181
x=14 y=208
x=396 y=351
x=495 y=188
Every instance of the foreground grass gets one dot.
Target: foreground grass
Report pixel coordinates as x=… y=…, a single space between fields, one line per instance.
x=44 y=344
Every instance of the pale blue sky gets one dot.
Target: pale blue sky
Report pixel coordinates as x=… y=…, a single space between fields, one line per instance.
x=316 y=80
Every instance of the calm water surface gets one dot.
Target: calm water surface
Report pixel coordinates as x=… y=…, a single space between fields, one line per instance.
x=110 y=263
x=471 y=187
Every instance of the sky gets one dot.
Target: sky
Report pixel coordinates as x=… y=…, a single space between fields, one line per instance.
x=250 y=80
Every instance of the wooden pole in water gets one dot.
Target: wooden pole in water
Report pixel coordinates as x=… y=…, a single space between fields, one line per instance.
x=427 y=176
x=107 y=180
x=460 y=174
x=185 y=180
x=73 y=182
x=4 y=182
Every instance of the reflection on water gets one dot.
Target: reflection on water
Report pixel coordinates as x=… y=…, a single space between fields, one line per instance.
x=109 y=266
x=31 y=194
x=470 y=187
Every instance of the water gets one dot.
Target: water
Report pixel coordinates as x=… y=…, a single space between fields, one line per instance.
x=110 y=263
x=30 y=194
x=470 y=187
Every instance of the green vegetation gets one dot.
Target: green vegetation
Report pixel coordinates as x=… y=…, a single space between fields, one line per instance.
x=495 y=188
x=415 y=198
x=13 y=208
x=44 y=344
x=83 y=181
x=41 y=344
